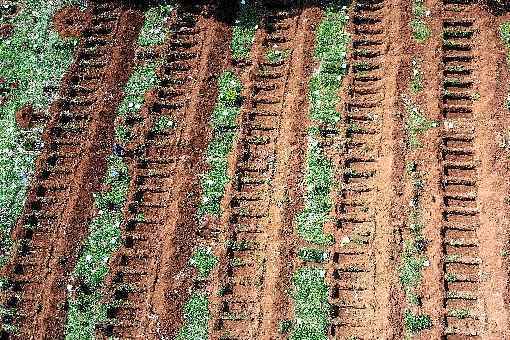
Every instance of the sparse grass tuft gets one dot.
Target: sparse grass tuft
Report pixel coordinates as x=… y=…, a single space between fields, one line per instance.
x=504 y=31
x=416 y=122
x=421 y=31
x=416 y=76
x=277 y=56
x=313 y=255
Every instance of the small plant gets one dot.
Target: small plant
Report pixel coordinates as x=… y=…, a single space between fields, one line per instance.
x=416 y=122
x=164 y=123
x=285 y=326
x=313 y=255
x=416 y=76
x=459 y=313
x=277 y=56
x=204 y=261
x=416 y=323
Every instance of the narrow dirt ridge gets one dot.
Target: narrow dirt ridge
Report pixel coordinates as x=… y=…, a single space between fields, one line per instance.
x=134 y=268
x=237 y=312
x=460 y=202
x=43 y=230
x=351 y=270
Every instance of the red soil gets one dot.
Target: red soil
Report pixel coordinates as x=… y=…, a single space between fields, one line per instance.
x=464 y=167
x=70 y=21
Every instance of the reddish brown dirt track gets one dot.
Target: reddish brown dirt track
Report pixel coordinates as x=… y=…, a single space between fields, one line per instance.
x=244 y=310
x=464 y=287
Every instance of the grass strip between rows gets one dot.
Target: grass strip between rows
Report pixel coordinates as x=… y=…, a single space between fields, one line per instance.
x=309 y=288
x=224 y=117
x=243 y=31
x=85 y=309
x=421 y=31
x=32 y=62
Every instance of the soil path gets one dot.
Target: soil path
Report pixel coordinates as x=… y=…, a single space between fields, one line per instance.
x=249 y=269
x=471 y=192
x=361 y=274
x=77 y=138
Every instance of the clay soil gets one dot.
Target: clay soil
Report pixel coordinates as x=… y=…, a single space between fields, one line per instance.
x=37 y=283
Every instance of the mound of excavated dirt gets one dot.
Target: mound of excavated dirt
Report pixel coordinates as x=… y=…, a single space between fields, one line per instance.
x=70 y=21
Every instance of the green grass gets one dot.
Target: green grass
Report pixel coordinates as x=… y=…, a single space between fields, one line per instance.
x=311 y=316
x=243 y=31
x=223 y=123
x=313 y=255
x=104 y=238
x=155 y=29
x=330 y=51
x=311 y=304
x=416 y=123
x=141 y=80
x=196 y=317
x=416 y=76
x=421 y=31
x=416 y=323
x=504 y=31
x=204 y=261
x=413 y=258
x=33 y=59
x=277 y=56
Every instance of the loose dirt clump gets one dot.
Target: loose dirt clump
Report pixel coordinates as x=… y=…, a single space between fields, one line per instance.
x=24 y=116
x=6 y=31
x=70 y=21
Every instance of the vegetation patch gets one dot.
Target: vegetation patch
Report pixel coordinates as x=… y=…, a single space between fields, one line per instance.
x=413 y=259
x=154 y=29
x=416 y=76
x=196 y=317
x=243 y=31
x=416 y=322
x=32 y=62
x=331 y=49
x=416 y=122
x=504 y=31
x=310 y=291
x=311 y=304
x=421 y=31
